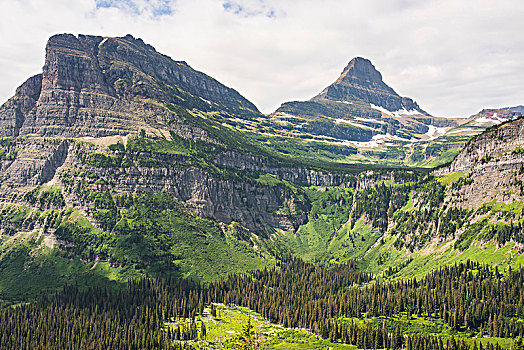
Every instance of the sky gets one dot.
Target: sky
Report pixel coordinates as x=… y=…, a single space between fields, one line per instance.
x=454 y=57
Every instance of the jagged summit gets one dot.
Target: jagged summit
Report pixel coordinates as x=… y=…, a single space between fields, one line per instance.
x=360 y=68
x=360 y=81
x=98 y=86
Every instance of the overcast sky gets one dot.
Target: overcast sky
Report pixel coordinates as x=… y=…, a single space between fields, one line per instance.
x=454 y=57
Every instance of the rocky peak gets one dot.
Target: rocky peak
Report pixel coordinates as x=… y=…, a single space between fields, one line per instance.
x=363 y=71
x=98 y=86
x=361 y=82
x=71 y=64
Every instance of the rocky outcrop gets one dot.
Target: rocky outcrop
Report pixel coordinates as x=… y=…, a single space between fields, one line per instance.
x=55 y=161
x=494 y=146
x=35 y=163
x=15 y=111
x=361 y=82
x=493 y=163
x=257 y=206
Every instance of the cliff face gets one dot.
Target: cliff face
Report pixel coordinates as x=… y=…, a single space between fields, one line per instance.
x=493 y=162
x=494 y=149
x=95 y=86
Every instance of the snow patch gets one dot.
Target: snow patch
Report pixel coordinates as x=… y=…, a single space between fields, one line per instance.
x=382 y=109
x=379 y=140
x=462 y=130
x=345 y=121
x=208 y=102
x=399 y=113
x=434 y=132
x=404 y=111
x=371 y=120
x=494 y=119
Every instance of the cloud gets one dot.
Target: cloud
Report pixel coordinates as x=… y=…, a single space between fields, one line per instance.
x=138 y=7
x=453 y=57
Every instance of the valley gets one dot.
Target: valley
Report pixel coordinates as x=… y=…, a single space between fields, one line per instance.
x=352 y=220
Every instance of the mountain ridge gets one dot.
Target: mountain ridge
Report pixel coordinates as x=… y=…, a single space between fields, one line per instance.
x=116 y=75
x=119 y=159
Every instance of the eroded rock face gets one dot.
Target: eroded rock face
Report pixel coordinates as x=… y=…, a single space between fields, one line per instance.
x=254 y=205
x=297 y=175
x=20 y=107
x=493 y=161
x=361 y=82
x=497 y=146
x=95 y=86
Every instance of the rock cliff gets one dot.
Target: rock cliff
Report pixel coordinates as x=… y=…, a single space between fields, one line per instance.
x=493 y=163
x=96 y=86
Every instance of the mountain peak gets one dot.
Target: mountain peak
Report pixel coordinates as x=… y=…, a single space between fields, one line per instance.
x=96 y=86
x=361 y=82
x=360 y=67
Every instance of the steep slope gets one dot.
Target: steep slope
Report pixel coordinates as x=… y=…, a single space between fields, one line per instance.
x=361 y=82
x=471 y=210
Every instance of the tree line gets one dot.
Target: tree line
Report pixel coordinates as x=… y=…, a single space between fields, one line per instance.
x=469 y=297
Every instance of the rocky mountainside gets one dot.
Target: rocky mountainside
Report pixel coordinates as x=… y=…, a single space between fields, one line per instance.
x=493 y=161
x=95 y=86
x=519 y=109
x=361 y=82
x=96 y=92
x=118 y=162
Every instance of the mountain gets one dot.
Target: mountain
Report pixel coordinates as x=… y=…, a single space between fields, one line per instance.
x=360 y=111
x=361 y=101
x=142 y=196
x=361 y=82
x=117 y=162
x=519 y=109
x=95 y=86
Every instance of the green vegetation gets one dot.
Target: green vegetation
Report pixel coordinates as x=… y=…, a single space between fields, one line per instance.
x=149 y=233
x=227 y=327
x=296 y=305
x=450 y=178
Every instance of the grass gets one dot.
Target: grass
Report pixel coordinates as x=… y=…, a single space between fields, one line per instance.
x=420 y=263
x=450 y=178
x=327 y=217
x=28 y=269
x=223 y=331
x=151 y=240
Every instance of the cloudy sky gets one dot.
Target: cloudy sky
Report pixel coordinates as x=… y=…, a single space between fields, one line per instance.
x=454 y=57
